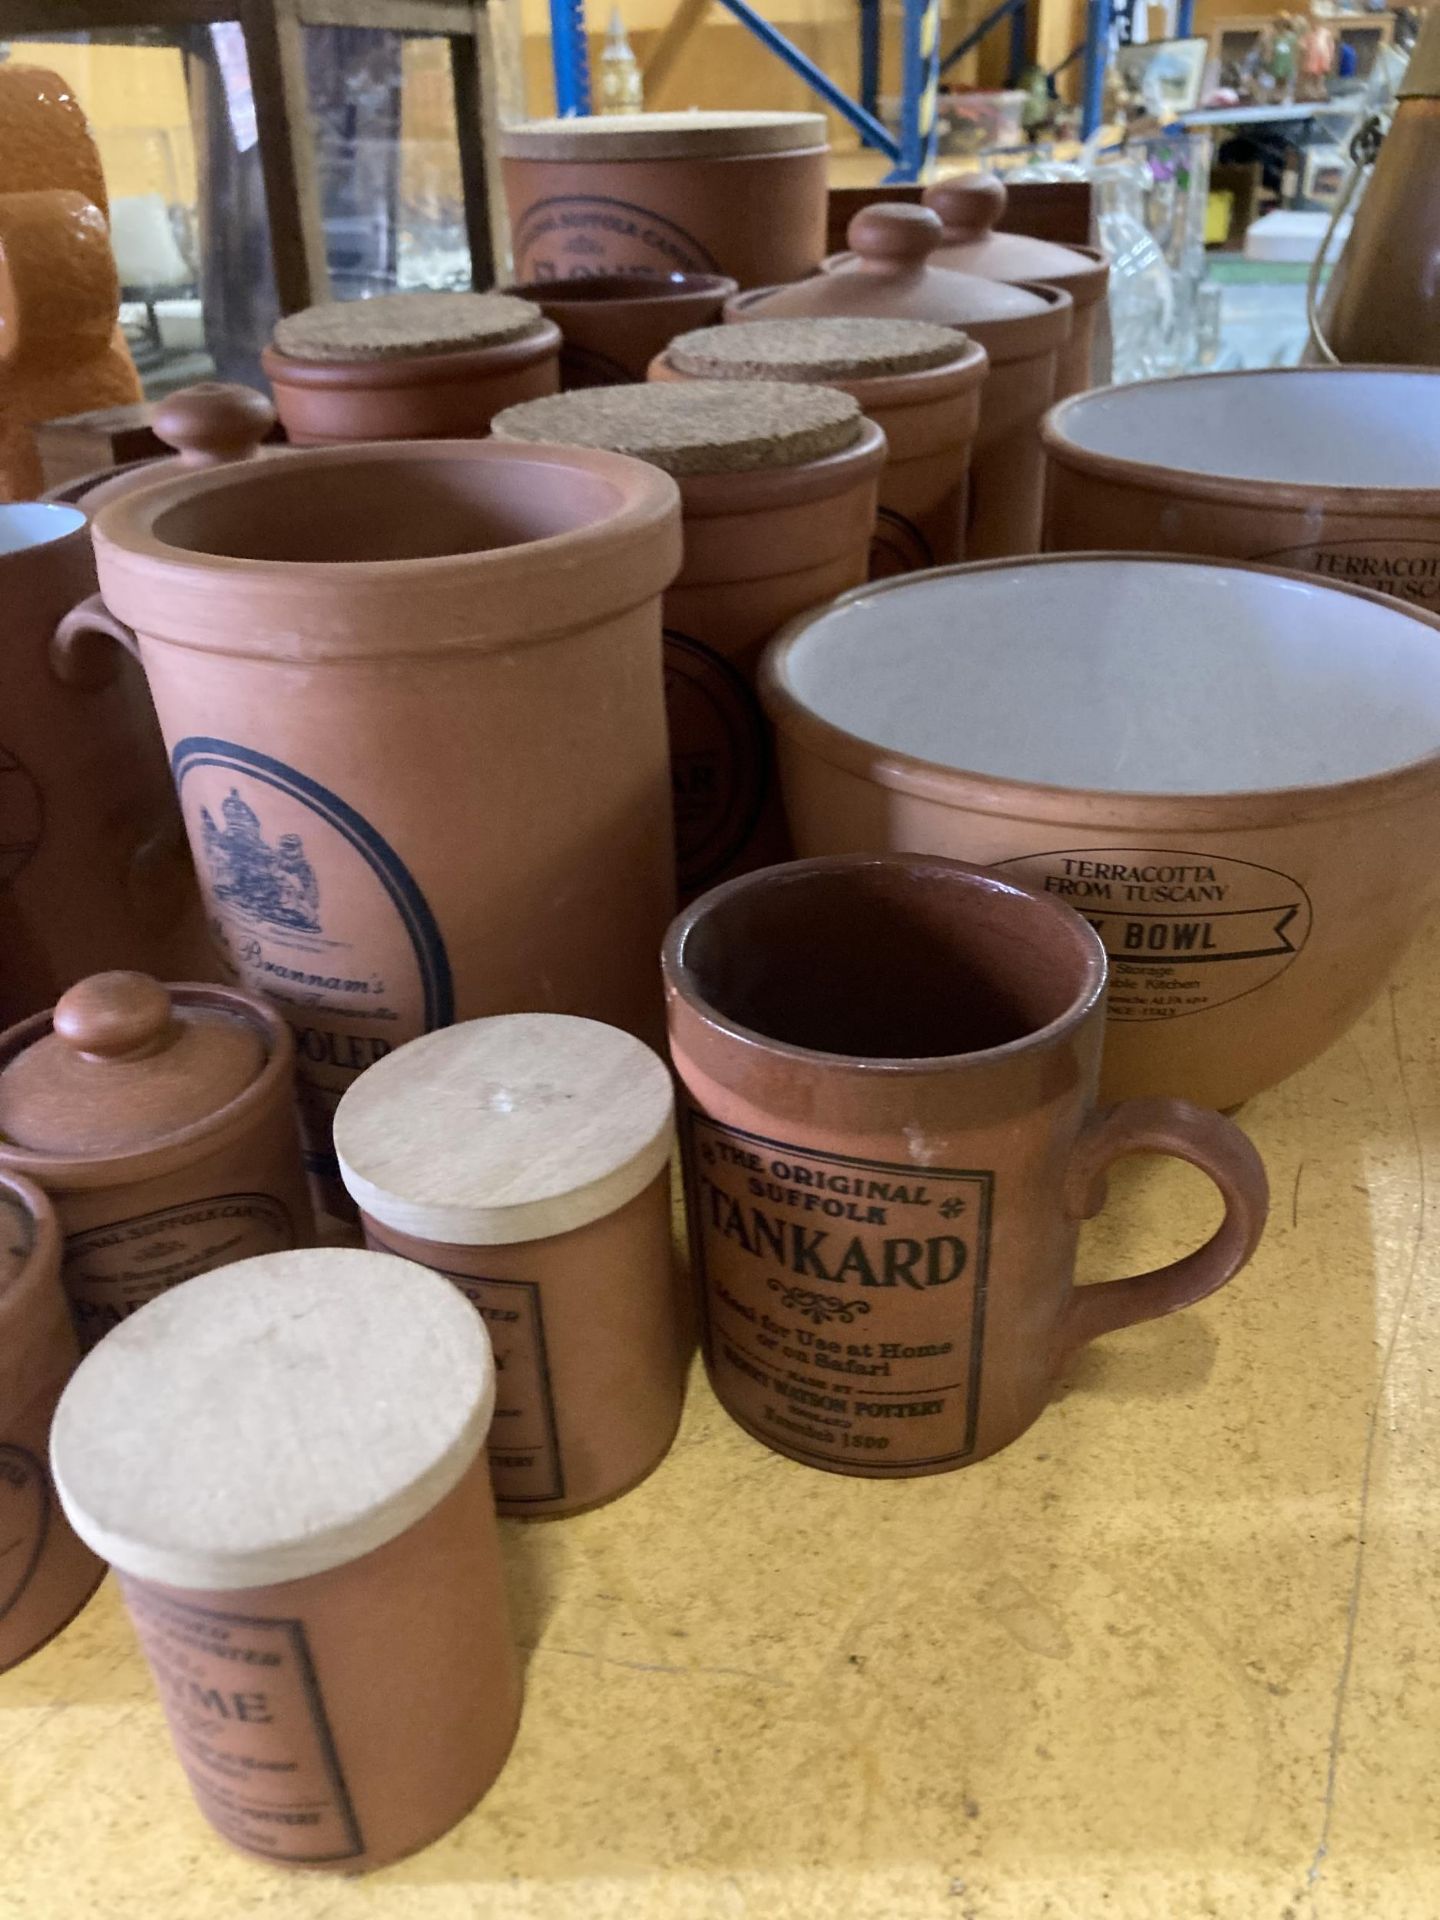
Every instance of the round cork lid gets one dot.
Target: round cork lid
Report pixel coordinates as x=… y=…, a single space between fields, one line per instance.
x=124 y=1063
x=406 y=323
x=662 y=136
x=701 y=426
x=506 y=1129
x=836 y=349
x=273 y=1419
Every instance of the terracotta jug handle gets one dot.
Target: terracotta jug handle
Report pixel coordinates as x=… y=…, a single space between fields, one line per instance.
x=80 y=652
x=1206 y=1140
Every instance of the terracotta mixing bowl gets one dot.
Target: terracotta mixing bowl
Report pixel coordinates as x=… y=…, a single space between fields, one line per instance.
x=1232 y=772
x=1330 y=470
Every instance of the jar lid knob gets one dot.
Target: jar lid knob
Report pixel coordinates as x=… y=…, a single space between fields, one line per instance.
x=114 y=1016
x=895 y=235
x=214 y=421
x=971 y=205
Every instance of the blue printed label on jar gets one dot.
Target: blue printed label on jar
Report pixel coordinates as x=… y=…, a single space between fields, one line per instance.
x=574 y=235
x=22 y=815
x=310 y=906
x=719 y=759
x=898 y=546
x=24 y=1521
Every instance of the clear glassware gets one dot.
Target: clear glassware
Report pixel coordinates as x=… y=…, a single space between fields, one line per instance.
x=1142 y=285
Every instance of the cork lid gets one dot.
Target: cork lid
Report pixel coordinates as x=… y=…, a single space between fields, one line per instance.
x=836 y=349
x=662 y=136
x=273 y=1419
x=701 y=426
x=970 y=206
x=123 y=1063
x=406 y=323
x=506 y=1129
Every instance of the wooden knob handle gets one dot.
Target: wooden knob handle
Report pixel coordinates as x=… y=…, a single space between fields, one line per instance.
x=970 y=206
x=114 y=1016
x=213 y=422
x=893 y=235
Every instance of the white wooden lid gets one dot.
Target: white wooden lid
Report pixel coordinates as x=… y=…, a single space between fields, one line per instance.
x=512 y=1128
x=273 y=1419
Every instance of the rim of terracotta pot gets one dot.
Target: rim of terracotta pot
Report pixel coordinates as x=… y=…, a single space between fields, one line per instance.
x=623 y=293
x=39 y=1266
x=1236 y=490
x=681 y=984
x=760 y=489
x=920 y=387
x=1000 y=794
x=84 y=1173
x=1028 y=337
x=624 y=551
x=384 y=371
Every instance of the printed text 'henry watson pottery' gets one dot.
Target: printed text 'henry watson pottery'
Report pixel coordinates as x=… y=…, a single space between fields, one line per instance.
x=613 y=325
x=891 y=1140
x=1232 y=772
x=1022 y=329
x=1329 y=470
x=413 y=700
x=93 y=866
x=46 y=1574
x=919 y=384
x=284 y=1462
x=777 y=497
x=735 y=193
x=408 y=366
x=161 y=1122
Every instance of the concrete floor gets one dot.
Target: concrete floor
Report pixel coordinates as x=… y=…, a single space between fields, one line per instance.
x=1173 y=1654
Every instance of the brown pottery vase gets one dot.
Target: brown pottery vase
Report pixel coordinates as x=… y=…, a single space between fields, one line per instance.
x=613 y=324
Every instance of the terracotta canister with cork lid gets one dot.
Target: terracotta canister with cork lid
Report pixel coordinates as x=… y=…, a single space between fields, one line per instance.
x=408 y=366
x=1023 y=330
x=735 y=193
x=46 y=1572
x=527 y=1158
x=777 y=498
x=971 y=205
x=161 y=1122
x=920 y=384
x=284 y=1461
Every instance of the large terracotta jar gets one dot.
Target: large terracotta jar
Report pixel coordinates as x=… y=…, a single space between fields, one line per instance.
x=413 y=700
x=920 y=384
x=1023 y=330
x=1329 y=470
x=777 y=492
x=735 y=193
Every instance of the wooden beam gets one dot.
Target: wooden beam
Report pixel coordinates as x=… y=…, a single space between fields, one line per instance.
x=50 y=17
x=471 y=58
x=655 y=69
x=275 y=50
x=396 y=16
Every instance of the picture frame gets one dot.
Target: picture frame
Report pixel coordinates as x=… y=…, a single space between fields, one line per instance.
x=1168 y=73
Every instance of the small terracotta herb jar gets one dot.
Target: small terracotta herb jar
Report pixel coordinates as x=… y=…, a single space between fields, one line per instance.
x=161 y=1122
x=971 y=205
x=1023 y=329
x=1326 y=470
x=527 y=1158
x=613 y=324
x=920 y=384
x=777 y=499
x=46 y=1572
x=284 y=1462
x=408 y=366
x=735 y=193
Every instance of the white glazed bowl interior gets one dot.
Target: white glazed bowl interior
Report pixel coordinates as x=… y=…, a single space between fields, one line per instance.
x=1126 y=676
x=35 y=523
x=1316 y=427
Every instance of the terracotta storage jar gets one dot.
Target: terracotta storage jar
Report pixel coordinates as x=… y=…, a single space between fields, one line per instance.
x=1023 y=330
x=93 y=866
x=46 y=1572
x=971 y=206
x=415 y=712
x=1232 y=772
x=777 y=497
x=920 y=384
x=161 y=1122
x=284 y=1462
x=527 y=1158
x=735 y=193
x=613 y=325
x=408 y=366
x=1329 y=470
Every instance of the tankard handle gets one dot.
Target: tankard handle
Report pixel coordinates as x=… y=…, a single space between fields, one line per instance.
x=81 y=650
x=1206 y=1140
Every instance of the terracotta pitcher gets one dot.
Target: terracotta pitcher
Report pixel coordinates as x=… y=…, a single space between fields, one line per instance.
x=93 y=866
x=412 y=694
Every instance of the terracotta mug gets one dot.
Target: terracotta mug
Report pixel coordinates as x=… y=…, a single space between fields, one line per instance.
x=891 y=1140
x=613 y=324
